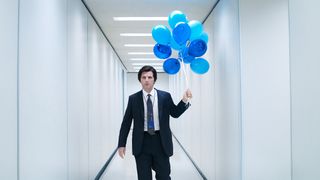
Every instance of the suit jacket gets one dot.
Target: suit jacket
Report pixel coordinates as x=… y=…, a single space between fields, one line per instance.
x=135 y=111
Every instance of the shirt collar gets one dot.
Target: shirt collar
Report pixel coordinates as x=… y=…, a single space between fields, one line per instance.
x=145 y=94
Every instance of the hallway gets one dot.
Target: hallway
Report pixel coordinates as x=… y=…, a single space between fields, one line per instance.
x=67 y=68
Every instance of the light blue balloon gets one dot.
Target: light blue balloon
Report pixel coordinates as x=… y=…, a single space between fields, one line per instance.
x=203 y=36
x=171 y=66
x=199 y=66
x=181 y=33
x=176 y=17
x=196 y=29
x=161 y=34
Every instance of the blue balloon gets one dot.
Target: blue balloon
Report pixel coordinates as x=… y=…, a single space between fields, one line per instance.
x=188 y=59
x=171 y=66
x=185 y=56
x=162 y=51
x=175 y=17
x=203 y=36
x=175 y=45
x=199 y=66
x=197 y=48
x=181 y=33
x=196 y=29
x=161 y=34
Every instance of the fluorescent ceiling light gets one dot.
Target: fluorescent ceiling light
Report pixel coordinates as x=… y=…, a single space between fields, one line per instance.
x=140 y=18
x=144 y=59
x=140 y=53
x=139 y=45
x=141 y=64
x=135 y=34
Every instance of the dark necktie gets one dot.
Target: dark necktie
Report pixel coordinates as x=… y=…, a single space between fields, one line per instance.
x=150 y=116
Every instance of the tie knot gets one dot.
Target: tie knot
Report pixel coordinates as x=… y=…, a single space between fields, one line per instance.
x=149 y=95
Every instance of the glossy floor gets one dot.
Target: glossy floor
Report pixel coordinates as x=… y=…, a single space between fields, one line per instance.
x=125 y=169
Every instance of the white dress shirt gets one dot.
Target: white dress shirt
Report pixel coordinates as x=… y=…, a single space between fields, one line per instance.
x=154 y=100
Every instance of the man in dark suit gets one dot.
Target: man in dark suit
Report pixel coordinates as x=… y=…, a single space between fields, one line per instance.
x=151 y=137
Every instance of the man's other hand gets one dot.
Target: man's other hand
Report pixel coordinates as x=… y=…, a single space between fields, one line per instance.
x=122 y=151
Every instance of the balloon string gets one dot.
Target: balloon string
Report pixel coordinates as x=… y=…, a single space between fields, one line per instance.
x=185 y=73
x=186 y=77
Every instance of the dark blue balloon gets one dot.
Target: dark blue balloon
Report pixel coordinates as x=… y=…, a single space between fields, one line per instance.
x=197 y=48
x=188 y=59
x=185 y=56
x=162 y=51
x=171 y=66
x=199 y=66
x=181 y=33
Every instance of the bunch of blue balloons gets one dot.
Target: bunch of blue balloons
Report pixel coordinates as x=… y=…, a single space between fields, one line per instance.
x=187 y=37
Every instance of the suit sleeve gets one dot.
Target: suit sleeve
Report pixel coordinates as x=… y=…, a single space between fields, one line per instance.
x=126 y=124
x=177 y=110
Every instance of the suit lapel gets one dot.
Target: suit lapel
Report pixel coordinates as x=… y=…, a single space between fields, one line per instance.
x=160 y=103
x=140 y=105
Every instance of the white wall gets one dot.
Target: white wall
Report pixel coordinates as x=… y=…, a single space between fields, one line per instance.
x=78 y=92
x=105 y=98
x=226 y=93
x=8 y=88
x=305 y=88
x=211 y=130
x=42 y=92
x=67 y=75
x=95 y=95
x=265 y=90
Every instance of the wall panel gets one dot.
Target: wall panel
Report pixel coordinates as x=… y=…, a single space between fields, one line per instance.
x=305 y=88
x=43 y=90
x=8 y=89
x=265 y=90
x=78 y=115
x=105 y=97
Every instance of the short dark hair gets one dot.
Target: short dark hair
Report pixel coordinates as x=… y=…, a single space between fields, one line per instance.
x=147 y=69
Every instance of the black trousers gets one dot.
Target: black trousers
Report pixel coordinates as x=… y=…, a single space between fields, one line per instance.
x=152 y=157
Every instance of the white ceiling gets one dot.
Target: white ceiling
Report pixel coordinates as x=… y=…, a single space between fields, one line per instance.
x=105 y=10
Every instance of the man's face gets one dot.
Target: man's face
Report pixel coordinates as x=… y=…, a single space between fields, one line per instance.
x=147 y=81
